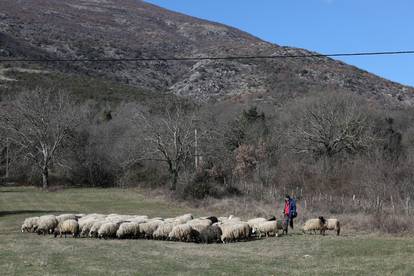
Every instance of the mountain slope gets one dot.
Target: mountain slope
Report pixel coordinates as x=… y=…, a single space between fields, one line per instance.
x=132 y=28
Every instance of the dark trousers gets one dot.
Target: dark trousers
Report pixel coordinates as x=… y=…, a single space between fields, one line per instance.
x=287 y=221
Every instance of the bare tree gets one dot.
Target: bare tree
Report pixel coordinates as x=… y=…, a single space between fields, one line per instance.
x=38 y=122
x=332 y=124
x=169 y=139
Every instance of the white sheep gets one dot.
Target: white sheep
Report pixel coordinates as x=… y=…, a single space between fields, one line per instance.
x=63 y=217
x=69 y=226
x=47 y=224
x=333 y=225
x=108 y=230
x=235 y=231
x=170 y=220
x=148 y=228
x=253 y=222
x=184 y=233
x=93 y=233
x=85 y=226
x=314 y=225
x=267 y=228
x=30 y=224
x=164 y=230
x=128 y=230
x=199 y=224
x=233 y=218
x=138 y=220
x=184 y=218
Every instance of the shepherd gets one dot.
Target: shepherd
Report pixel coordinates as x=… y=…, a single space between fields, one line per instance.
x=289 y=213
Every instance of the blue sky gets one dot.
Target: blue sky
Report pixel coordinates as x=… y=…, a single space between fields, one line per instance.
x=325 y=26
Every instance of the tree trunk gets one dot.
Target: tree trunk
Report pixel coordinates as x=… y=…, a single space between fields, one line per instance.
x=174 y=180
x=45 y=177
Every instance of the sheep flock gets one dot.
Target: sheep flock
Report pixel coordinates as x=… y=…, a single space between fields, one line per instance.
x=183 y=228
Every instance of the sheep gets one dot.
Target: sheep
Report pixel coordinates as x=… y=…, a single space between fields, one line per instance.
x=268 y=228
x=211 y=234
x=108 y=230
x=184 y=218
x=199 y=224
x=230 y=219
x=118 y=218
x=63 y=217
x=148 y=228
x=138 y=220
x=333 y=224
x=128 y=230
x=235 y=231
x=90 y=217
x=233 y=218
x=213 y=219
x=184 y=233
x=93 y=233
x=86 y=225
x=314 y=225
x=47 y=224
x=69 y=226
x=164 y=230
x=30 y=224
x=253 y=222
x=170 y=220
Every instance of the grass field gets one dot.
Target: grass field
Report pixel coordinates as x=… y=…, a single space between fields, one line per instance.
x=296 y=254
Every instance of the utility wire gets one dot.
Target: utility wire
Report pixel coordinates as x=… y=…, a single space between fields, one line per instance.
x=166 y=59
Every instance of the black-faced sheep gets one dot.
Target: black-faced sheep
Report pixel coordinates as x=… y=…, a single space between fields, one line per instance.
x=213 y=219
x=211 y=234
x=314 y=225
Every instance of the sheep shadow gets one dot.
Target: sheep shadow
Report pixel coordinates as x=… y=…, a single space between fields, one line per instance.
x=21 y=212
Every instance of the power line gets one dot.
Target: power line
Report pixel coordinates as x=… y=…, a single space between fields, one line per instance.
x=166 y=59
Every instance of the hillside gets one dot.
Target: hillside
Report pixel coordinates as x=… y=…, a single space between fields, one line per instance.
x=132 y=28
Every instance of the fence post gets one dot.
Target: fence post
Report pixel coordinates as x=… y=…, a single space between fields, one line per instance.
x=407 y=205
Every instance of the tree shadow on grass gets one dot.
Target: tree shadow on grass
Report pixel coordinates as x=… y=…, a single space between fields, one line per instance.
x=20 y=212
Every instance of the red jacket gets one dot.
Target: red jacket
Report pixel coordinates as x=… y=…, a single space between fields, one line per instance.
x=287 y=208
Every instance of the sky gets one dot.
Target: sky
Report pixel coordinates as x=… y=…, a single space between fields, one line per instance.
x=324 y=26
